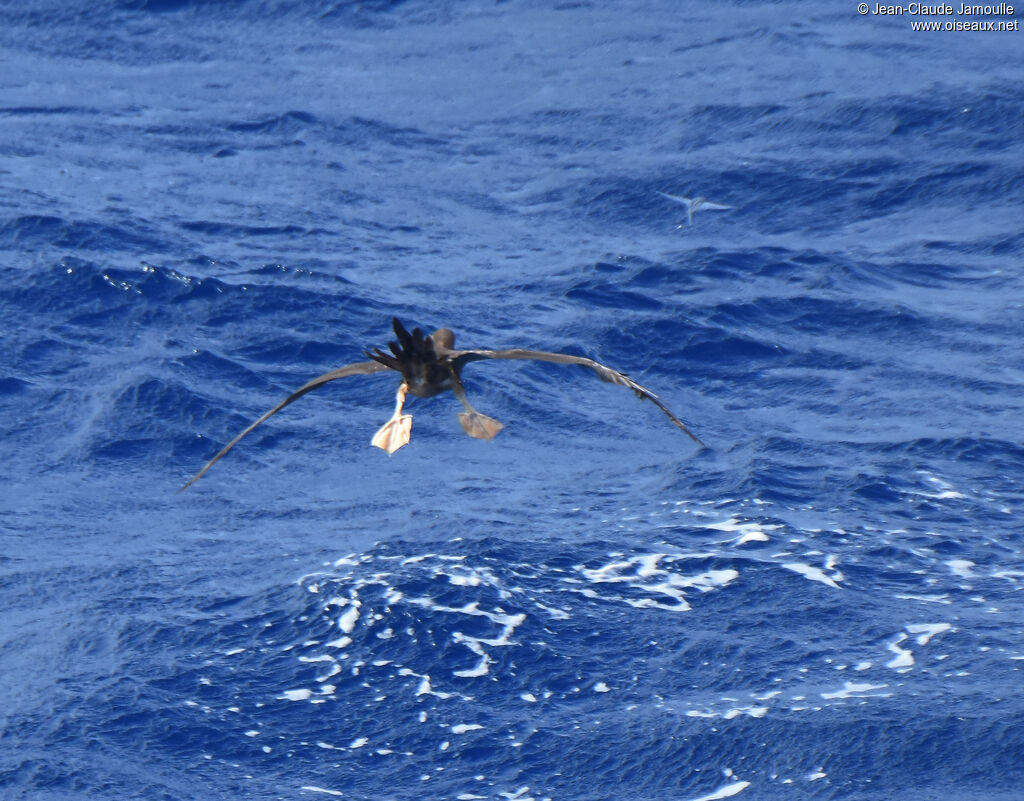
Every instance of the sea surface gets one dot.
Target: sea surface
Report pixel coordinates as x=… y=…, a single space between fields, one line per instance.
x=205 y=204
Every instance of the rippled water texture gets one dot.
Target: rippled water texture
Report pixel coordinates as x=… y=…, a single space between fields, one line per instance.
x=204 y=205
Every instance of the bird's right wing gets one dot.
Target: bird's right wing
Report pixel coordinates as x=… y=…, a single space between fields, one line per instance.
x=359 y=368
x=686 y=201
x=604 y=372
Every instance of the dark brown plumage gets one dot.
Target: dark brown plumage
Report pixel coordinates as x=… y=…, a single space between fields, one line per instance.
x=430 y=365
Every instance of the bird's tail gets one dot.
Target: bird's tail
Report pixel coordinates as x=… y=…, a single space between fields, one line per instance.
x=409 y=348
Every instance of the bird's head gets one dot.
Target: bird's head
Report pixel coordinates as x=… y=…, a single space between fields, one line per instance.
x=443 y=339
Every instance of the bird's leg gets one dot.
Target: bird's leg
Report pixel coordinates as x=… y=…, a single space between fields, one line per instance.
x=396 y=431
x=473 y=423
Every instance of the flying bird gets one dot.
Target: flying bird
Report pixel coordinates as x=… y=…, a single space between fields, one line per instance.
x=693 y=204
x=430 y=365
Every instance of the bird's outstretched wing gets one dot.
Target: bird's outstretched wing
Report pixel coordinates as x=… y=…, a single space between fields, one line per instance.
x=605 y=373
x=686 y=201
x=693 y=204
x=359 y=368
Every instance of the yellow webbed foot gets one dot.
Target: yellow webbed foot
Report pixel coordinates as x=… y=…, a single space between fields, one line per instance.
x=479 y=426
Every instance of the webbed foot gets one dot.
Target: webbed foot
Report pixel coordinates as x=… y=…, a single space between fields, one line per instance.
x=479 y=426
x=394 y=434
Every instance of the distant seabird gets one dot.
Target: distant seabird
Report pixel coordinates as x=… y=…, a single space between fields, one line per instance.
x=430 y=365
x=693 y=204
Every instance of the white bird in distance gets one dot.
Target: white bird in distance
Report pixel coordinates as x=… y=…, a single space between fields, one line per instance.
x=693 y=204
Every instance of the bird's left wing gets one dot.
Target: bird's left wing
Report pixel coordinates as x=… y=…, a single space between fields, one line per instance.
x=359 y=368
x=604 y=372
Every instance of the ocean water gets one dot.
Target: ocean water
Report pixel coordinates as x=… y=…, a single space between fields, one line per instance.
x=203 y=205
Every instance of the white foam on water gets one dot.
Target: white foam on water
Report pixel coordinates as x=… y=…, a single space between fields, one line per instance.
x=313 y=789
x=508 y=622
x=347 y=622
x=712 y=579
x=931 y=599
x=749 y=711
x=855 y=690
x=943 y=489
x=601 y=687
x=961 y=567
x=483 y=667
x=725 y=791
x=749 y=532
x=556 y=613
x=462 y=728
x=925 y=631
x=729 y=714
x=812 y=573
x=649 y=564
x=904 y=659
x=425 y=686
x=831 y=563
x=681 y=605
x=296 y=695
x=636 y=572
x=359 y=742
x=472 y=579
x=612 y=572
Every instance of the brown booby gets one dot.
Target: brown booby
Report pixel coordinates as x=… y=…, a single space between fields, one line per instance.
x=430 y=365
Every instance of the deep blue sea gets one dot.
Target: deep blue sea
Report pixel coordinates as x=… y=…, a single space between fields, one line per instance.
x=203 y=205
